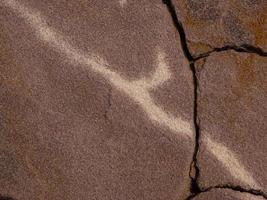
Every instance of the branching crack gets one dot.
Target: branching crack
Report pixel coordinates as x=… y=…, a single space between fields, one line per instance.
x=194 y=168
x=230 y=187
x=245 y=48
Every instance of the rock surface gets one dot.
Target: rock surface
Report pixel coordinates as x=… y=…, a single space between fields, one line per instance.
x=226 y=194
x=70 y=128
x=212 y=24
x=133 y=100
x=232 y=110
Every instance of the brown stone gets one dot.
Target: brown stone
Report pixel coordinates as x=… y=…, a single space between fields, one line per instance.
x=232 y=111
x=212 y=24
x=67 y=132
x=226 y=194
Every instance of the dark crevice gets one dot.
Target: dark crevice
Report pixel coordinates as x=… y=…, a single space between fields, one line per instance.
x=230 y=187
x=194 y=169
x=108 y=104
x=179 y=28
x=194 y=165
x=244 y=48
x=6 y=198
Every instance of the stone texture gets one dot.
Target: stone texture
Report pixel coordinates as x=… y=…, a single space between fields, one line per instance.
x=232 y=110
x=97 y=100
x=214 y=23
x=67 y=133
x=226 y=194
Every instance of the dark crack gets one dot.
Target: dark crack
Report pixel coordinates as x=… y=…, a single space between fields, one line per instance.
x=180 y=29
x=6 y=198
x=244 y=48
x=230 y=187
x=194 y=169
x=108 y=104
x=194 y=172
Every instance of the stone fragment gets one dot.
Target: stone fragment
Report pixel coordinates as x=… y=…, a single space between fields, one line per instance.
x=232 y=111
x=212 y=24
x=69 y=127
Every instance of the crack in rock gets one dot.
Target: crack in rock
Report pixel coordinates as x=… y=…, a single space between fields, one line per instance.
x=236 y=188
x=194 y=165
x=108 y=104
x=244 y=48
x=194 y=168
x=6 y=198
x=180 y=29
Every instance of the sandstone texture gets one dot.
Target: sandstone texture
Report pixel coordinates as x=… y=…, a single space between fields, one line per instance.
x=210 y=24
x=133 y=100
x=232 y=110
x=69 y=130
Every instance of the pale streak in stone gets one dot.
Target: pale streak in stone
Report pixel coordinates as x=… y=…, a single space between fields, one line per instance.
x=122 y=2
x=230 y=161
x=137 y=90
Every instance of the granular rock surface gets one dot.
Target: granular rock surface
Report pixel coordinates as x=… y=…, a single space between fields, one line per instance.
x=138 y=100
x=70 y=129
x=212 y=24
x=232 y=110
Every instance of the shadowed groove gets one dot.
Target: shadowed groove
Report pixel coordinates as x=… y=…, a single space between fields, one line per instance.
x=256 y=193
x=6 y=198
x=194 y=165
x=244 y=48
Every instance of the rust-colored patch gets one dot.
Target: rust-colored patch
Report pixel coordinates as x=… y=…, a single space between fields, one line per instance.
x=199 y=64
x=259 y=29
x=199 y=47
x=241 y=86
x=199 y=26
x=191 y=21
x=246 y=71
x=254 y=21
x=246 y=76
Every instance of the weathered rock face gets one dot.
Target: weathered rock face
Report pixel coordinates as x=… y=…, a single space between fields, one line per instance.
x=76 y=127
x=226 y=194
x=232 y=110
x=213 y=23
x=98 y=101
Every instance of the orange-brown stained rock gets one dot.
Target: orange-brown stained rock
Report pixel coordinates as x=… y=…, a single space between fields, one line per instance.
x=67 y=132
x=232 y=110
x=226 y=194
x=214 y=23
